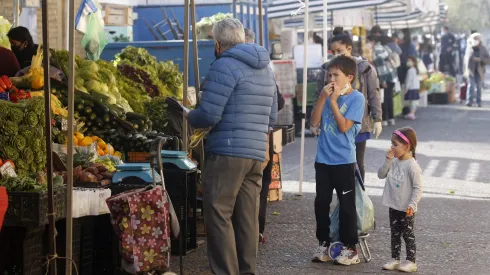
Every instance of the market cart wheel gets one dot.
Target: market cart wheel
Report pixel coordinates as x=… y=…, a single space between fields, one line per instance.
x=366 y=253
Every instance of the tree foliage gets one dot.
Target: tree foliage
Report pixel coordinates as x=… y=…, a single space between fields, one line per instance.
x=467 y=15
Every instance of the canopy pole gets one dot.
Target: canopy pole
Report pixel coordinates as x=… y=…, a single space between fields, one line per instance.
x=185 y=139
x=325 y=32
x=303 y=111
x=261 y=24
x=47 y=132
x=69 y=184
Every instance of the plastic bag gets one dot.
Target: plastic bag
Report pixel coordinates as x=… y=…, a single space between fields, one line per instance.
x=365 y=213
x=95 y=38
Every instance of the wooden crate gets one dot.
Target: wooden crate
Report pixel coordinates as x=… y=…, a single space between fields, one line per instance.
x=116 y=15
x=275 y=195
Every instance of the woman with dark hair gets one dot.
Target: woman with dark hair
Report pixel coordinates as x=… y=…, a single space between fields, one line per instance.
x=22 y=45
x=408 y=49
x=366 y=83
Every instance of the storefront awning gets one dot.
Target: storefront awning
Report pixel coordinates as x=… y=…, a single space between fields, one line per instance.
x=289 y=8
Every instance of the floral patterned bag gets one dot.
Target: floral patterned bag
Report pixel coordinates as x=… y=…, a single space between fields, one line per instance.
x=142 y=223
x=275 y=172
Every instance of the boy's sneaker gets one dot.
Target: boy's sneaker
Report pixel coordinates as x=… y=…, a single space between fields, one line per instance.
x=348 y=256
x=321 y=254
x=392 y=265
x=408 y=266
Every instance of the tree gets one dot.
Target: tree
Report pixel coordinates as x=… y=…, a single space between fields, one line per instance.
x=467 y=15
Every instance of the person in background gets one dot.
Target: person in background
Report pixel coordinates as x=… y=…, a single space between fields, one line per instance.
x=448 y=45
x=366 y=83
x=239 y=103
x=425 y=52
x=402 y=193
x=412 y=86
x=408 y=49
x=386 y=75
x=22 y=45
x=267 y=166
x=338 y=112
x=476 y=59
x=9 y=65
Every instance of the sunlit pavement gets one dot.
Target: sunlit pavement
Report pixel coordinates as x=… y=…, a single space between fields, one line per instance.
x=453 y=223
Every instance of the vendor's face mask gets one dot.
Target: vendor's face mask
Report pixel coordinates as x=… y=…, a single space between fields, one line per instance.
x=17 y=46
x=409 y=64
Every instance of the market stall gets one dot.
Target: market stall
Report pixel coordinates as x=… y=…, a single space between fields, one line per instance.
x=93 y=116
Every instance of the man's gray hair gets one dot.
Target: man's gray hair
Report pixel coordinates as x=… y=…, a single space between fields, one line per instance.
x=249 y=36
x=229 y=32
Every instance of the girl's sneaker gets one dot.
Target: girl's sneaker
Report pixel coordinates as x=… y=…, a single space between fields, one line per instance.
x=391 y=122
x=410 y=117
x=408 y=266
x=348 y=256
x=262 y=239
x=384 y=123
x=392 y=265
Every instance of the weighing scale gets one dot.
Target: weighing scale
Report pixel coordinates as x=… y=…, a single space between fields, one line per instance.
x=140 y=173
x=177 y=160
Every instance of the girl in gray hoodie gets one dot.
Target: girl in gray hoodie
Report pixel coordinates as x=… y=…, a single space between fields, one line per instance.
x=402 y=193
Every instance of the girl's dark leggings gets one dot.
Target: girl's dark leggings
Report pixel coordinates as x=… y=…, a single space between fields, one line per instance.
x=401 y=225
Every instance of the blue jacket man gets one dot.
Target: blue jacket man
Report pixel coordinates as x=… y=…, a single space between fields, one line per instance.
x=239 y=102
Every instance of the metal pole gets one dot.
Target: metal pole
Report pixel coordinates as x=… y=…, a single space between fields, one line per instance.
x=325 y=32
x=303 y=111
x=69 y=183
x=49 y=156
x=197 y=79
x=195 y=48
x=15 y=20
x=186 y=70
x=261 y=24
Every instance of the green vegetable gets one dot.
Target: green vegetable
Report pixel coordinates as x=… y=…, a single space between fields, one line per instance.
x=31 y=119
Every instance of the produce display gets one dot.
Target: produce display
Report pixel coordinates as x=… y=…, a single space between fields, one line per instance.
x=205 y=26
x=158 y=78
x=23 y=139
x=96 y=172
x=29 y=184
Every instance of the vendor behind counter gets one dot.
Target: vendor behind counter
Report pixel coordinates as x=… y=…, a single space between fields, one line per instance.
x=22 y=45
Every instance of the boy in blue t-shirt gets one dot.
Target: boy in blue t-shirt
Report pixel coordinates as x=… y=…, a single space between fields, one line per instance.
x=338 y=112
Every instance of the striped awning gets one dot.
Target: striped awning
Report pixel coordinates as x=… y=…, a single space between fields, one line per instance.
x=394 y=14
x=288 y=8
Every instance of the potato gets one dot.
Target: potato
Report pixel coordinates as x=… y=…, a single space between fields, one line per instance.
x=88 y=177
x=102 y=169
x=107 y=175
x=99 y=177
x=105 y=182
x=92 y=170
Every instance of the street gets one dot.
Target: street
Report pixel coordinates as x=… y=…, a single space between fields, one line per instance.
x=452 y=225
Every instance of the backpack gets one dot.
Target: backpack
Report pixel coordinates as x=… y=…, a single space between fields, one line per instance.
x=393 y=58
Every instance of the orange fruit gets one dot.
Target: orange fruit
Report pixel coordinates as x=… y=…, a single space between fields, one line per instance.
x=101 y=144
x=79 y=135
x=94 y=138
x=100 y=152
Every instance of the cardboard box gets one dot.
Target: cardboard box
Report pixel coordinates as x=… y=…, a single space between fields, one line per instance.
x=275 y=195
x=116 y=15
x=277 y=140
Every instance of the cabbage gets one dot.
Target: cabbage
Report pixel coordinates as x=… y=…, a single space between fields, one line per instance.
x=93 y=85
x=4 y=29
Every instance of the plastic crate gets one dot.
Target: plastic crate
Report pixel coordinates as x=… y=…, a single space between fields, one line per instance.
x=23 y=250
x=137 y=156
x=30 y=209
